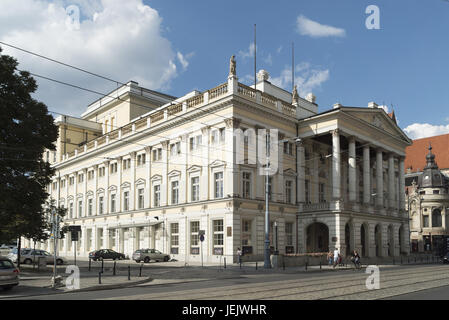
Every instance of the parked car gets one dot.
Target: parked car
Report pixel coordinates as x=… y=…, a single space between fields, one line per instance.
x=147 y=255
x=104 y=254
x=28 y=256
x=9 y=274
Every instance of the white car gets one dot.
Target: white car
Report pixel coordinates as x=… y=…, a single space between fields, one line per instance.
x=28 y=256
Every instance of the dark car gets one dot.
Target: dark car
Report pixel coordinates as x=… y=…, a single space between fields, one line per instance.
x=104 y=254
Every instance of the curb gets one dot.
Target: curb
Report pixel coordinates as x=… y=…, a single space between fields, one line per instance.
x=93 y=288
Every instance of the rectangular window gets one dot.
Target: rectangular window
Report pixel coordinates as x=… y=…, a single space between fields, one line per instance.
x=157 y=196
x=71 y=210
x=222 y=135
x=246 y=233
x=246 y=188
x=194 y=237
x=175 y=149
x=174 y=238
x=289 y=233
x=113 y=168
x=100 y=204
x=89 y=206
x=141 y=159
x=288 y=191
x=218 y=230
x=80 y=208
x=55 y=185
x=426 y=221
x=174 y=192
x=157 y=154
x=195 y=142
x=219 y=185
x=214 y=137
x=80 y=177
x=112 y=203
x=321 y=193
x=307 y=191
x=195 y=188
x=141 y=201
x=126 y=201
x=90 y=174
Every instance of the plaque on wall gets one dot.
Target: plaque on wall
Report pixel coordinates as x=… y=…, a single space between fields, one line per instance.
x=229 y=231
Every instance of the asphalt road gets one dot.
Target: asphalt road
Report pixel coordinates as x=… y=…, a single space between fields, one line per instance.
x=405 y=282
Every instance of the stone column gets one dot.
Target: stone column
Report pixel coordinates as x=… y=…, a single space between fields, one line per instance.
x=118 y=197
x=391 y=189
x=280 y=184
x=95 y=198
x=231 y=175
x=164 y=183
x=183 y=185
x=379 y=179
x=336 y=174
x=76 y=213
x=85 y=206
x=204 y=160
x=106 y=203
x=314 y=185
x=106 y=243
x=401 y=185
x=83 y=240
x=366 y=175
x=148 y=171
x=132 y=193
x=352 y=170
x=300 y=192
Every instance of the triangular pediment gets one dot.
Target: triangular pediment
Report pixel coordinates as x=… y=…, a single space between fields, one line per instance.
x=377 y=118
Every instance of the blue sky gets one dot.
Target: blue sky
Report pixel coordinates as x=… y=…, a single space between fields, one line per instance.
x=179 y=46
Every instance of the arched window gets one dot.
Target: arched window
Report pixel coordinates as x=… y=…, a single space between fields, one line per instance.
x=436 y=218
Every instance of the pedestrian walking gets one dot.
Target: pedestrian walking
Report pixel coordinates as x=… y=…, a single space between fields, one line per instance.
x=336 y=257
x=239 y=255
x=330 y=258
x=356 y=259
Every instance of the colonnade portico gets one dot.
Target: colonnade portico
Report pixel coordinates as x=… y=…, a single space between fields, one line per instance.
x=371 y=196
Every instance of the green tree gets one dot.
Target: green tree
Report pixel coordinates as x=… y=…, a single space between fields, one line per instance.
x=26 y=130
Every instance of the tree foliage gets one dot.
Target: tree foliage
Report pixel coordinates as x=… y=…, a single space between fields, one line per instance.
x=26 y=130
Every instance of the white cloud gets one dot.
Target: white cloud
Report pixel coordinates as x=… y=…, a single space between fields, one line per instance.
x=118 y=39
x=247 y=54
x=307 y=27
x=183 y=60
x=307 y=78
x=424 y=130
x=269 y=60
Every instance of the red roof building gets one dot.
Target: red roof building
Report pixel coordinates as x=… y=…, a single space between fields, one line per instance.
x=415 y=159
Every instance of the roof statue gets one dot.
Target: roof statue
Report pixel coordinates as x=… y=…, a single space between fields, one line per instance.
x=295 y=96
x=232 y=67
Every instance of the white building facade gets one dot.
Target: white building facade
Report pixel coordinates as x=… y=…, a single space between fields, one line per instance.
x=141 y=169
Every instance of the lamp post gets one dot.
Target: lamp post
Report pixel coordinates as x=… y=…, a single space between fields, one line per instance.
x=267 y=263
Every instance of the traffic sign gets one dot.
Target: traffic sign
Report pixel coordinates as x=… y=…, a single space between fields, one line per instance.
x=202 y=237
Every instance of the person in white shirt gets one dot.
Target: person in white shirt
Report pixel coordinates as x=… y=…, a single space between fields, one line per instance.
x=336 y=254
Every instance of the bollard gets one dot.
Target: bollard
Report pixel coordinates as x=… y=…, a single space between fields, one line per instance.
x=320 y=265
x=89 y=263
x=306 y=266
x=224 y=263
x=129 y=272
x=283 y=264
x=102 y=265
x=256 y=265
x=99 y=277
x=113 y=273
x=140 y=271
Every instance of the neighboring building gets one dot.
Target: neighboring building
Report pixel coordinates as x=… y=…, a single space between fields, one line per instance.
x=428 y=206
x=142 y=169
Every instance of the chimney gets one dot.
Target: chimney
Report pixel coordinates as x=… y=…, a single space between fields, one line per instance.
x=372 y=105
x=311 y=97
x=337 y=105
